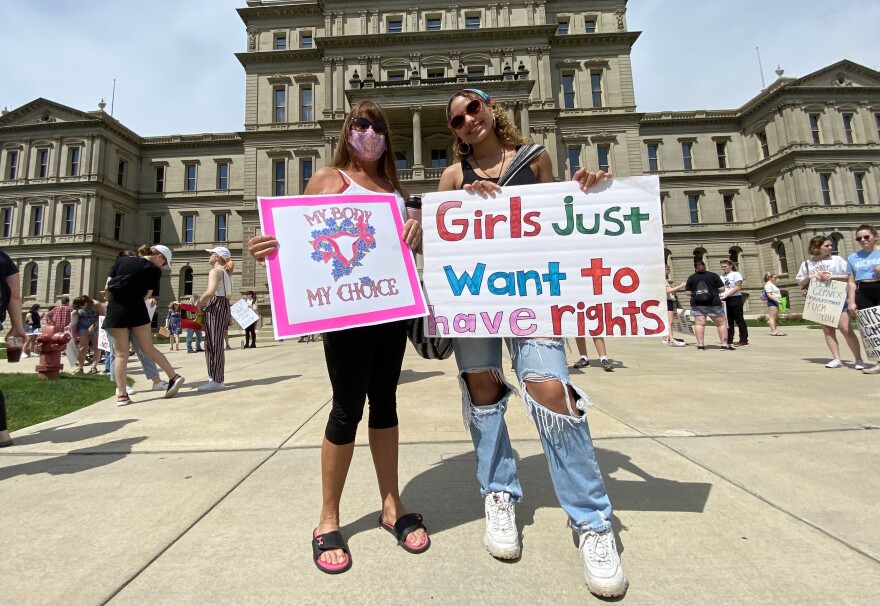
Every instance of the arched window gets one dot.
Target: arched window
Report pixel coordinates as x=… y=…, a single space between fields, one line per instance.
x=63 y=280
x=783 y=260
x=836 y=239
x=700 y=255
x=733 y=254
x=33 y=278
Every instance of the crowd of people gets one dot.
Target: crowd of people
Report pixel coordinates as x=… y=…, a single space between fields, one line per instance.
x=489 y=152
x=720 y=297
x=127 y=308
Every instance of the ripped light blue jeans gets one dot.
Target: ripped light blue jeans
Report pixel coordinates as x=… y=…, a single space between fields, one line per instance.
x=566 y=438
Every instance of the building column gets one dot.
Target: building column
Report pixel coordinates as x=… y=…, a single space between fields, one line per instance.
x=496 y=61
x=505 y=14
x=452 y=16
x=58 y=151
x=328 y=87
x=544 y=76
x=524 y=117
x=550 y=144
x=339 y=85
x=417 y=137
x=869 y=125
x=535 y=93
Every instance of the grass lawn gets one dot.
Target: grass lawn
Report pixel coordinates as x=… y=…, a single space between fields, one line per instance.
x=31 y=400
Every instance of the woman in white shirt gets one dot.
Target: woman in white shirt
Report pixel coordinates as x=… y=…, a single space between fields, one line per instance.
x=732 y=296
x=773 y=296
x=824 y=267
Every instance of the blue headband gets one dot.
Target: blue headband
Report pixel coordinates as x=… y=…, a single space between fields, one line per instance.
x=486 y=98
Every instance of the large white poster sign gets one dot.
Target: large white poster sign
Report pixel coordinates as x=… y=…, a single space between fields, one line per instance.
x=244 y=315
x=546 y=260
x=341 y=262
x=825 y=301
x=682 y=322
x=103 y=337
x=869 y=328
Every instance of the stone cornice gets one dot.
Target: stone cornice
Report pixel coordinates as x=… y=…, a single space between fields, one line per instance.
x=437 y=94
x=604 y=39
x=194 y=141
x=284 y=10
x=689 y=117
x=285 y=56
x=453 y=36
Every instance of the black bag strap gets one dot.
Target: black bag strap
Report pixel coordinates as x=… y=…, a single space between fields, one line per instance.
x=525 y=155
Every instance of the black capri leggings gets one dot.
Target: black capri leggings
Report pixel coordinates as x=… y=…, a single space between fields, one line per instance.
x=867 y=295
x=363 y=363
x=2 y=412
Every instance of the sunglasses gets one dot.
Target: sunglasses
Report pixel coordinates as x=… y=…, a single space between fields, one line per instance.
x=862 y=238
x=471 y=109
x=380 y=127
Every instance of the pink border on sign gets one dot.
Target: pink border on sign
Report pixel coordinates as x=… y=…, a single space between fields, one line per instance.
x=283 y=327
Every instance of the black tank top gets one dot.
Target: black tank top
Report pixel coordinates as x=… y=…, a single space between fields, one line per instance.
x=525 y=176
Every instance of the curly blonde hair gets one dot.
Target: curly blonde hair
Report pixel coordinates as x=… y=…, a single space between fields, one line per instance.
x=506 y=131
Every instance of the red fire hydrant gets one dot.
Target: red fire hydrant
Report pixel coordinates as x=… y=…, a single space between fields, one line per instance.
x=51 y=344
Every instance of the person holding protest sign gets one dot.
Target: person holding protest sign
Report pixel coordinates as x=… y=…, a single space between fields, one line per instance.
x=365 y=361
x=491 y=152
x=671 y=308
x=10 y=304
x=863 y=274
x=733 y=301
x=130 y=283
x=824 y=267
x=705 y=288
x=250 y=331
x=773 y=296
x=214 y=302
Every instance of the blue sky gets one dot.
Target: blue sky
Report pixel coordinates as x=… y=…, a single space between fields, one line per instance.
x=176 y=73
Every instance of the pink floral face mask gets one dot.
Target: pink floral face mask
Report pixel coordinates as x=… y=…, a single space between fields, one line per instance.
x=367 y=145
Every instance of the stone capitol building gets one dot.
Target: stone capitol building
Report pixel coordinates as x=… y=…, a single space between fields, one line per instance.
x=753 y=183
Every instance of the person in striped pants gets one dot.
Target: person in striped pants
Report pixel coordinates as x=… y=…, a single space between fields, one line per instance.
x=215 y=304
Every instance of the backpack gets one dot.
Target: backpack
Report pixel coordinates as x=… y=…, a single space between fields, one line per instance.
x=702 y=294
x=763 y=295
x=119 y=284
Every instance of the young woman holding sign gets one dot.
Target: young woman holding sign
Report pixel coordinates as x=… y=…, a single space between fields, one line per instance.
x=491 y=152
x=863 y=274
x=363 y=362
x=824 y=267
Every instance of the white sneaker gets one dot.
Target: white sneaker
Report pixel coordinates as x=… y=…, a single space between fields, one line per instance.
x=834 y=364
x=603 y=571
x=860 y=365
x=501 y=537
x=874 y=370
x=160 y=386
x=128 y=389
x=211 y=385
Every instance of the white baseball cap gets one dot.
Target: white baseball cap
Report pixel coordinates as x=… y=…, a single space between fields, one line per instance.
x=220 y=250
x=164 y=251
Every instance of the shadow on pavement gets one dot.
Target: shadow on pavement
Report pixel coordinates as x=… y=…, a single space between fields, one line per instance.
x=250 y=382
x=448 y=495
x=75 y=461
x=411 y=376
x=69 y=432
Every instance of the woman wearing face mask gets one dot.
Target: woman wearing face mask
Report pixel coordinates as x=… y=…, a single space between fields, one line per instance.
x=863 y=275
x=363 y=164
x=486 y=144
x=824 y=267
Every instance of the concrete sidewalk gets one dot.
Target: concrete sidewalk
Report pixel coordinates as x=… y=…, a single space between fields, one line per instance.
x=746 y=477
